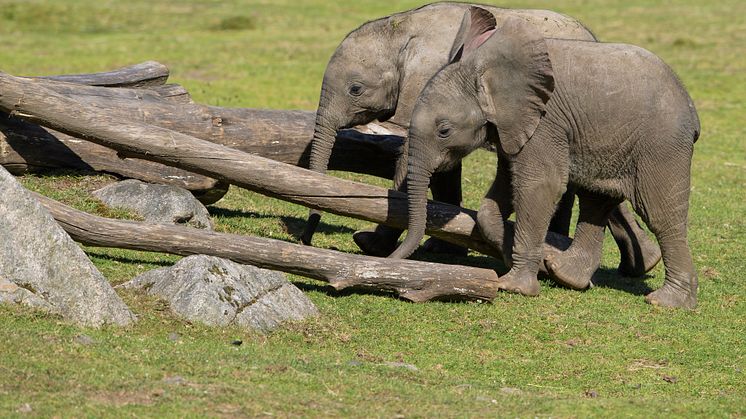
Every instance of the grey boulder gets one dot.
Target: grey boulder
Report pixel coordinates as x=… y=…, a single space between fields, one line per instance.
x=219 y=292
x=41 y=266
x=159 y=204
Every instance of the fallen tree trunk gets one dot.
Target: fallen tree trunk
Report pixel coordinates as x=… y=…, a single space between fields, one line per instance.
x=411 y=280
x=148 y=73
x=38 y=104
x=280 y=135
x=27 y=147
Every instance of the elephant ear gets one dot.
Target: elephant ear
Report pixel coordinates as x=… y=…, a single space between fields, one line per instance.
x=515 y=82
x=476 y=27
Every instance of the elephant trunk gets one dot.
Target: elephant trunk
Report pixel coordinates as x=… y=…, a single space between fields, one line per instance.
x=418 y=180
x=400 y=169
x=324 y=134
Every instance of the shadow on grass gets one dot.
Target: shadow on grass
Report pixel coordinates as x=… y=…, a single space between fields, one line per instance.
x=611 y=278
x=293 y=225
x=122 y=259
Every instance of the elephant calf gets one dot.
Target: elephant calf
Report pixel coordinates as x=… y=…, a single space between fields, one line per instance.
x=622 y=128
x=378 y=72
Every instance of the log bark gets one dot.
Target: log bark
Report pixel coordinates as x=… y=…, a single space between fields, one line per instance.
x=34 y=102
x=411 y=280
x=149 y=73
x=280 y=135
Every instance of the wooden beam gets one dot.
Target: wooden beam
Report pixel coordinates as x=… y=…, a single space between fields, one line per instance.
x=411 y=280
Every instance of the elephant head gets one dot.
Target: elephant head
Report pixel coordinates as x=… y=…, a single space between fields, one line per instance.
x=361 y=84
x=495 y=89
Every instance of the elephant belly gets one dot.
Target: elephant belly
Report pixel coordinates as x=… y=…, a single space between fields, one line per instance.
x=605 y=179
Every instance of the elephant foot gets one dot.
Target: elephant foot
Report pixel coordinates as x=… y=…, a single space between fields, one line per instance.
x=519 y=283
x=373 y=243
x=313 y=222
x=434 y=245
x=572 y=269
x=636 y=264
x=674 y=295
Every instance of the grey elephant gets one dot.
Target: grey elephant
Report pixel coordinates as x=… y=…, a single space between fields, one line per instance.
x=379 y=70
x=623 y=128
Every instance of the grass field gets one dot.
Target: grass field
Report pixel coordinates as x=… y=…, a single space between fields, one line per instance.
x=563 y=354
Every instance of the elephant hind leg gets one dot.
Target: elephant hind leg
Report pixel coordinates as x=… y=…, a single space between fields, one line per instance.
x=639 y=253
x=662 y=200
x=575 y=266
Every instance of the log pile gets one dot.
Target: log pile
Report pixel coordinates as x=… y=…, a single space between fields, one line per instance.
x=141 y=95
x=155 y=124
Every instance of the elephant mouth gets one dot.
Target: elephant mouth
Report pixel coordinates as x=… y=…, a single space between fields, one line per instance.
x=385 y=115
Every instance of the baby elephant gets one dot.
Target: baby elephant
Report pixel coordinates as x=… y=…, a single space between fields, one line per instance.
x=610 y=119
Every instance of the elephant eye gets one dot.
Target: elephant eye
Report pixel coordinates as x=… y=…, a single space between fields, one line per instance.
x=444 y=132
x=356 y=89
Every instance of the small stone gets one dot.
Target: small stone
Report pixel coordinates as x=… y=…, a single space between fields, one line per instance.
x=219 y=292
x=84 y=340
x=174 y=380
x=401 y=365
x=173 y=336
x=25 y=408
x=670 y=379
x=354 y=363
x=160 y=204
x=591 y=393
x=512 y=391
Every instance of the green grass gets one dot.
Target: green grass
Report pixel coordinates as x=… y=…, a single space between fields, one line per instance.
x=545 y=356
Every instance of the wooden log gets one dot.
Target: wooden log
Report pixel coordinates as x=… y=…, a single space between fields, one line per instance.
x=41 y=105
x=149 y=73
x=26 y=147
x=280 y=135
x=411 y=280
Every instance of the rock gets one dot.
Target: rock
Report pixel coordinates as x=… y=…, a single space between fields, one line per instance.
x=400 y=365
x=84 y=340
x=219 y=292
x=159 y=204
x=42 y=267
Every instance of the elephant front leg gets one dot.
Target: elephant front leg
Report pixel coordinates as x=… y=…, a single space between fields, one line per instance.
x=575 y=266
x=446 y=187
x=538 y=183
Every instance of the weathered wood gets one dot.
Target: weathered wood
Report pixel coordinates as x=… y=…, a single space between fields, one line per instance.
x=280 y=135
x=38 y=104
x=149 y=73
x=411 y=280
x=27 y=147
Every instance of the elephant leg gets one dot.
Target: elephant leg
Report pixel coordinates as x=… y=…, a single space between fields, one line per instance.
x=639 y=254
x=560 y=223
x=446 y=187
x=314 y=216
x=663 y=203
x=495 y=209
x=379 y=242
x=539 y=180
x=575 y=266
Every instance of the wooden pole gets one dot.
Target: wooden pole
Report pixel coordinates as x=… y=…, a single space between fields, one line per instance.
x=411 y=280
x=149 y=73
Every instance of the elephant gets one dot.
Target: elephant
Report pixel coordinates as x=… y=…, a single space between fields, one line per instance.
x=624 y=128
x=378 y=71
